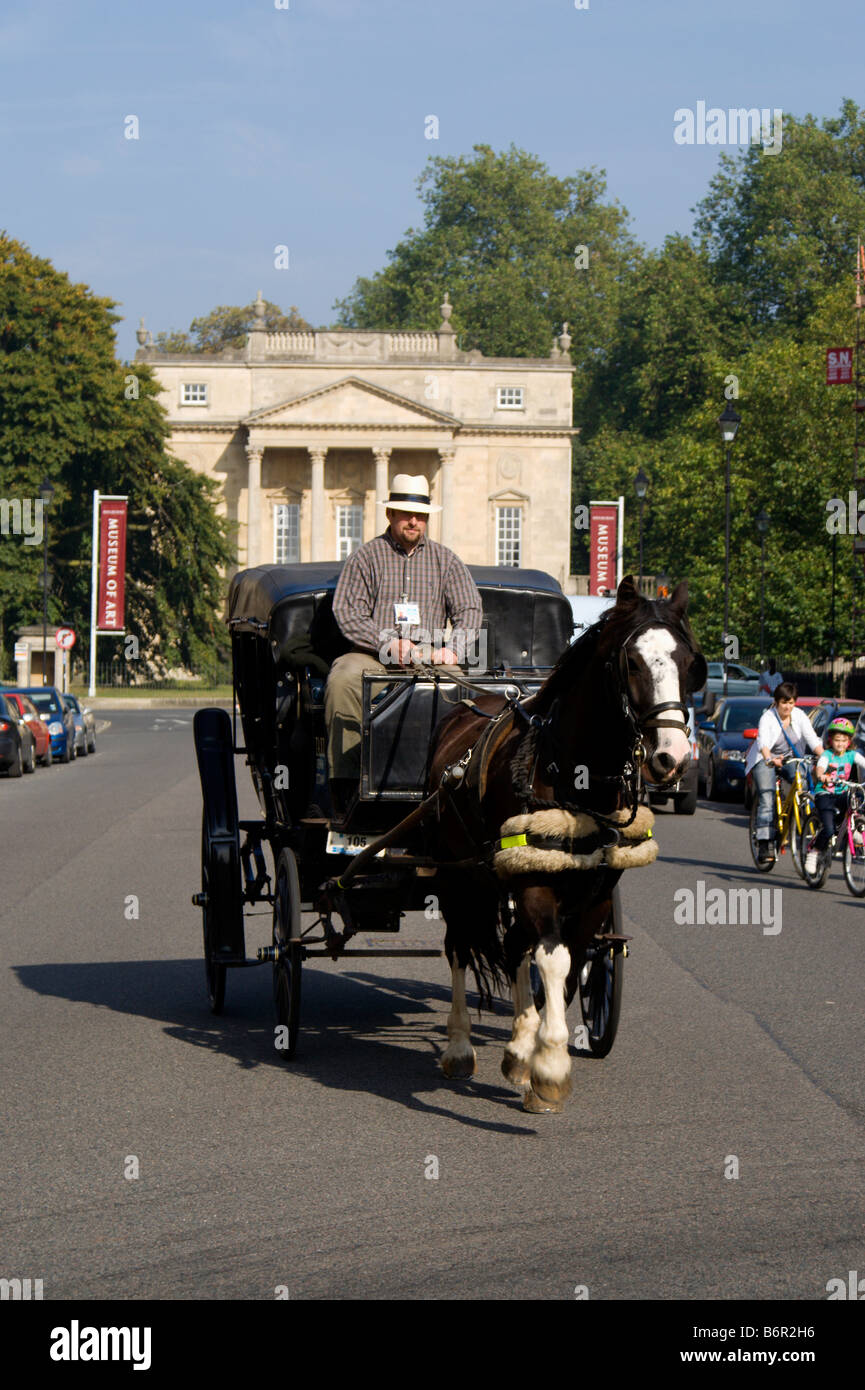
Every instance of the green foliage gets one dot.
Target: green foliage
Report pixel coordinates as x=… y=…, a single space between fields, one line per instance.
x=501 y=235
x=780 y=229
x=70 y=411
x=227 y=327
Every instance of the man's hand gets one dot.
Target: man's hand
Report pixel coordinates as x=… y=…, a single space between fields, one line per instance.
x=402 y=652
x=444 y=657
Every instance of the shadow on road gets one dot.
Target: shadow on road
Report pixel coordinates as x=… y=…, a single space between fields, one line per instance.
x=358 y=1031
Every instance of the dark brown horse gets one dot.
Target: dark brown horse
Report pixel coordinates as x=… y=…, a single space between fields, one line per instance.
x=615 y=704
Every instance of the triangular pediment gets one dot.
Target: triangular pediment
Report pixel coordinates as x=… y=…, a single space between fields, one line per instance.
x=350 y=401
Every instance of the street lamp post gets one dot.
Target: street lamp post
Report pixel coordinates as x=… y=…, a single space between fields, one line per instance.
x=729 y=422
x=46 y=492
x=762 y=521
x=641 y=487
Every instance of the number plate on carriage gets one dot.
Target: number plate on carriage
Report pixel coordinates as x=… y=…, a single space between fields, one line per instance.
x=351 y=844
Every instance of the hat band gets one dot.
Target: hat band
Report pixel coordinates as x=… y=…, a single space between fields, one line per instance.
x=408 y=497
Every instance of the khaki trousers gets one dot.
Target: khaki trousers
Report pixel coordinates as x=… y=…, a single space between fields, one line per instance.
x=343 y=712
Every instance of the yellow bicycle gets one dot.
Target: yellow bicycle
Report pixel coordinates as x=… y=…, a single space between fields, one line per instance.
x=796 y=822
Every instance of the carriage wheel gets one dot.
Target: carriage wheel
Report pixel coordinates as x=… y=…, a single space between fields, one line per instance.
x=600 y=988
x=214 y=973
x=289 y=951
x=601 y=999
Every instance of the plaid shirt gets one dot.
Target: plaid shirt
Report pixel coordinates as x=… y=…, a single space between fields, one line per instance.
x=380 y=574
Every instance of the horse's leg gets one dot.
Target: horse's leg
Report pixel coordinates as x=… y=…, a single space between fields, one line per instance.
x=459 y=1058
x=550 y=1067
x=516 y=1063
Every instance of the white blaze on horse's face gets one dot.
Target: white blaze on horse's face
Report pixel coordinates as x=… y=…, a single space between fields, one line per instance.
x=671 y=750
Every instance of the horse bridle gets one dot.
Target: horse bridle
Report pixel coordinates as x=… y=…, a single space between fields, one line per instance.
x=619 y=668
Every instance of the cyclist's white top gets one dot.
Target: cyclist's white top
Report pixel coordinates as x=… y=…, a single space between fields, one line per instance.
x=770 y=735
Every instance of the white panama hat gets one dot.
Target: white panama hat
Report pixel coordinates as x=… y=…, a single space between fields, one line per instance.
x=409 y=493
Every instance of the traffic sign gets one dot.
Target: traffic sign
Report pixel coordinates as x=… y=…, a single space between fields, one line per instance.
x=65 y=638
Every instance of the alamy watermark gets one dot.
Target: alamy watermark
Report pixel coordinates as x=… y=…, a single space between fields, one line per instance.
x=738 y=125
x=22 y=517
x=722 y=907
x=468 y=646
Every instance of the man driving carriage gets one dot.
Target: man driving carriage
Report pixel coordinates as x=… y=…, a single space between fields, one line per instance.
x=395 y=598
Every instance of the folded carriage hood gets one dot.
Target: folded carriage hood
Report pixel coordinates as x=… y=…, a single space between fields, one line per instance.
x=529 y=617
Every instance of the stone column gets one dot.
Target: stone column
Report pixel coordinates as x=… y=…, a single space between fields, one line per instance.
x=448 y=496
x=382 y=459
x=316 y=511
x=253 y=504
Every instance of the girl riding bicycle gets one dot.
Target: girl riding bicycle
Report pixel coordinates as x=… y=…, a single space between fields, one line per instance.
x=782 y=735
x=834 y=771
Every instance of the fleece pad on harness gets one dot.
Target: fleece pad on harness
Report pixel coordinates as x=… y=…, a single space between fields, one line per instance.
x=556 y=841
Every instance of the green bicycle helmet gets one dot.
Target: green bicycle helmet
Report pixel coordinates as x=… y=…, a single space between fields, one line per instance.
x=840 y=726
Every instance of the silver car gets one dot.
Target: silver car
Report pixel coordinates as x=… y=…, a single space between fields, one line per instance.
x=741 y=680
x=85 y=726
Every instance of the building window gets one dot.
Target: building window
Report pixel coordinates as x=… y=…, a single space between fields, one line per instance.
x=193 y=393
x=509 y=535
x=509 y=398
x=349 y=530
x=286 y=533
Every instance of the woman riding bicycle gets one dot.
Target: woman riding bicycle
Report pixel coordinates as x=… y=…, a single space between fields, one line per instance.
x=783 y=734
x=834 y=770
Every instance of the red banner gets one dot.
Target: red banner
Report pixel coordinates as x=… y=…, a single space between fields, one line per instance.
x=604 y=520
x=839 y=366
x=112 y=565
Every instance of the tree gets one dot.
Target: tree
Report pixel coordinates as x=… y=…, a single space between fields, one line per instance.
x=779 y=228
x=71 y=411
x=227 y=327
x=520 y=251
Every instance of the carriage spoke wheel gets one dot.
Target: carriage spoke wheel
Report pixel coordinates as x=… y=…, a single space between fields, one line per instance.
x=601 y=999
x=214 y=973
x=288 y=952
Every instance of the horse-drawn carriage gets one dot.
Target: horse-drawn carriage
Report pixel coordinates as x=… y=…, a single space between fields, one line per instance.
x=370 y=868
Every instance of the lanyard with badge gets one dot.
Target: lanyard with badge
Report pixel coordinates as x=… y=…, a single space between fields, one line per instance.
x=406 y=613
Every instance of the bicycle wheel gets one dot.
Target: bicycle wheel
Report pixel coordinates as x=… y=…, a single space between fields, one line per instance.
x=854 y=862
x=810 y=831
x=764 y=866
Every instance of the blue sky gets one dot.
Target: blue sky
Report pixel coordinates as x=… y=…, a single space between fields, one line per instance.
x=305 y=126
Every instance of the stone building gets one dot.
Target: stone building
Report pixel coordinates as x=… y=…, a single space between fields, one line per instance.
x=304 y=431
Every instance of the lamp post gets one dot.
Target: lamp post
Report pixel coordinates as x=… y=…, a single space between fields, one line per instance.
x=729 y=422
x=46 y=492
x=641 y=487
x=762 y=521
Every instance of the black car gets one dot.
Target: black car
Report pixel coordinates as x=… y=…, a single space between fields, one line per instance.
x=723 y=747
x=17 y=744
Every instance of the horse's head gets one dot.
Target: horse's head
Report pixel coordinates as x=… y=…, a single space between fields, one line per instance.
x=654 y=665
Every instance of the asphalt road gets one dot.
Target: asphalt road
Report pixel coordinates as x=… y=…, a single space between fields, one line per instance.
x=735 y=1043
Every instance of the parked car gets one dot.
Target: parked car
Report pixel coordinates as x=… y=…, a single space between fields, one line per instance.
x=723 y=746
x=61 y=725
x=79 y=747
x=30 y=714
x=17 y=745
x=683 y=792
x=741 y=680
x=88 y=719
x=822 y=715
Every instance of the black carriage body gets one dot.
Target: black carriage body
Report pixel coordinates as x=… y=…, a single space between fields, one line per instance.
x=284 y=639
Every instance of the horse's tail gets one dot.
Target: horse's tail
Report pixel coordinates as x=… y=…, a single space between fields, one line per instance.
x=474 y=936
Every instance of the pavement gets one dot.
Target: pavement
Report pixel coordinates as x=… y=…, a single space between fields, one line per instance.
x=154 y=1151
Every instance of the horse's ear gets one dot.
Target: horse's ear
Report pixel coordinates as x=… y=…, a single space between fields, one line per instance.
x=627 y=594
x=679 y=600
